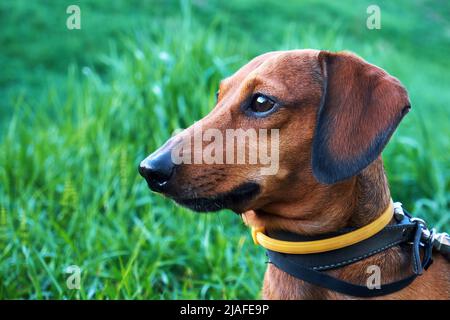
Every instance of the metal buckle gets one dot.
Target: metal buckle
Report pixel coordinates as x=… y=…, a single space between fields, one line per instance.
x=441 y=242
x=427 y=235
x=420 y=221
x=399 y=215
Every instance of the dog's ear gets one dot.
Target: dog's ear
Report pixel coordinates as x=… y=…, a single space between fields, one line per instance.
x=360 y=109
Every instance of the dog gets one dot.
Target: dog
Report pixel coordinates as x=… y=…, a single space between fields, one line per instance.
x=335 y=113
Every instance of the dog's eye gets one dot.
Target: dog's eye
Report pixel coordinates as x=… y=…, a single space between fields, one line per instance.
x=217 y=95
x=261 y=103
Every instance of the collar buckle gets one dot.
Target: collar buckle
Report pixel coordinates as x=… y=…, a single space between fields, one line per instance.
x=441 y=242
x=399 y=214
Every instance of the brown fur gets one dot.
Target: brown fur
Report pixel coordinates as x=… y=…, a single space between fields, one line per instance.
x=294 y=199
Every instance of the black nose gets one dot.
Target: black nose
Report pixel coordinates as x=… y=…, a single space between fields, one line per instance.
x=157 y=169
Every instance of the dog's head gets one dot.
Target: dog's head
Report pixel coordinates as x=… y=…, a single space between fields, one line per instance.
x=285 y=125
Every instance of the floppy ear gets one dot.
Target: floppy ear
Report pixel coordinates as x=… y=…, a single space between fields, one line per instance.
x=360 y=109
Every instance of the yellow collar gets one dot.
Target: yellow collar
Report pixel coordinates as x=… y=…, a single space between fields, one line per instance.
x=316 y=246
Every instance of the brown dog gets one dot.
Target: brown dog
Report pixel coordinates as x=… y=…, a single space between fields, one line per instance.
x=335 y=113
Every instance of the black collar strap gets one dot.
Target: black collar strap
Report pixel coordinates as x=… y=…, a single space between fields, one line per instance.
x=407 y=231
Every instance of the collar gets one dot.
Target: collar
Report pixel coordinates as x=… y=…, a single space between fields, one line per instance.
x=324 y=245
x=306 y=259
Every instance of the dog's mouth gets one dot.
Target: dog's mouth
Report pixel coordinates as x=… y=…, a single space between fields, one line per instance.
x=237 y=199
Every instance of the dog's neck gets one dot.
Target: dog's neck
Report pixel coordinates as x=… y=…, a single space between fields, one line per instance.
x=355 y=203
x=372 y=194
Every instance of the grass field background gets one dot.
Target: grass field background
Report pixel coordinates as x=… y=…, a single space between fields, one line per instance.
x=79 y=109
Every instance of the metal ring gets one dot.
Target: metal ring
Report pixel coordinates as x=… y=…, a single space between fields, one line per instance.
x=421 y=221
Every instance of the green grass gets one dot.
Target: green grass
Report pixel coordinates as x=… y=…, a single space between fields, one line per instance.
x=80 y=109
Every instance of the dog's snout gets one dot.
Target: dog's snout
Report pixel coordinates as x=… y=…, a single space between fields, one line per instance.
x=157 y=169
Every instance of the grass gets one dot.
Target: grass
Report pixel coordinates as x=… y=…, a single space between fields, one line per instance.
x=82 y=108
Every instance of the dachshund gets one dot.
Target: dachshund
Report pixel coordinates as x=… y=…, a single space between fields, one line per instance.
x=334 y=113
